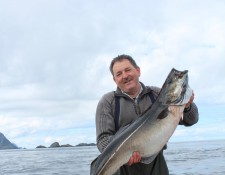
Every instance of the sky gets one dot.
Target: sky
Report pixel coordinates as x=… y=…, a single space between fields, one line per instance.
x=55 y=56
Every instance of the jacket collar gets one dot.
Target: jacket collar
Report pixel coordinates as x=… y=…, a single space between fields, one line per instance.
x=145 y=90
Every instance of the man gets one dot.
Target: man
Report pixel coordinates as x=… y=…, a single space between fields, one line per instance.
x=134 y=99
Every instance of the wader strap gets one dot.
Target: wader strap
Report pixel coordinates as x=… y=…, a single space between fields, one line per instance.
x=117 y=112
x=117 y=109
x=152 y=97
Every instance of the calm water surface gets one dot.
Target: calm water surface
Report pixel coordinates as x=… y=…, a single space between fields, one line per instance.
x=187 y=158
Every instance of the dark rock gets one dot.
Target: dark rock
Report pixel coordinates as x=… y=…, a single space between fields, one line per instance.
x=5 y=143
x=86 y=144
x=66 y=145
x=54 y=145
x=41 y=146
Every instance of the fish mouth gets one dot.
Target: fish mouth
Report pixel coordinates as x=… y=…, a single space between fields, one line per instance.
x=177 y=87
x=181 y=97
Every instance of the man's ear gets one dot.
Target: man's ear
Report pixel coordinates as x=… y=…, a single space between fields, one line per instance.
x=139 y=70
x=114 y=79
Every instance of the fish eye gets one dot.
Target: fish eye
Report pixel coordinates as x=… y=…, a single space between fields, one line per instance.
x=170 y=81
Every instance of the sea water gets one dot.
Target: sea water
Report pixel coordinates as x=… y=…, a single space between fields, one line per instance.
x=186 y=158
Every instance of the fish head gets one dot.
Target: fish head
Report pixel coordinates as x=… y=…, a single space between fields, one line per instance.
x=176 y=90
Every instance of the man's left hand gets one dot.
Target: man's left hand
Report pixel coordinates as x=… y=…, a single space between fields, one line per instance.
x=190 y=101
x=135 y=158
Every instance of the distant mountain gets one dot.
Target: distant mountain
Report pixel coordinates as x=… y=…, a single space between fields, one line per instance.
x=5 y=143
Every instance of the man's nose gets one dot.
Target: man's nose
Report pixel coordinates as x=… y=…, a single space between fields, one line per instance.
x=124 y=75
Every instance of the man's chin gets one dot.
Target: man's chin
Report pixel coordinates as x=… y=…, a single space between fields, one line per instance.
x=128 y=90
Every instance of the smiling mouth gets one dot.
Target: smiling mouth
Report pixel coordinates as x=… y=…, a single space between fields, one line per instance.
x=127 y=80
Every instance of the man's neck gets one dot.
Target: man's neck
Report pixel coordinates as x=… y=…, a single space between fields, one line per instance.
x=136 y=93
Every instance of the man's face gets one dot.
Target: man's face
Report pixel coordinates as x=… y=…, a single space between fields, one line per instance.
x=126 y=76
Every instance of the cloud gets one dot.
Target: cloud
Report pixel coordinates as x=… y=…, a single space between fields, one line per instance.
x=55 y=58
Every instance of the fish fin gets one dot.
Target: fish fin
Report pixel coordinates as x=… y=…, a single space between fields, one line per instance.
x=163 y=114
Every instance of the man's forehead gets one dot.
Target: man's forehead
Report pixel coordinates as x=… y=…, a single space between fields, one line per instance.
x=122 y=64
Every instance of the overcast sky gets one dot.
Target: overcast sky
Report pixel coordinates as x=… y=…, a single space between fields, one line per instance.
x=55 y=54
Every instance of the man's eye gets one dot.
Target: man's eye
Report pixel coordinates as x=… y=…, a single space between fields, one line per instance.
x=118 y=74
x=128 y=70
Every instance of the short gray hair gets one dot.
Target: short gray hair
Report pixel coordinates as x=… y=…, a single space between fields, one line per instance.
x=120 y=58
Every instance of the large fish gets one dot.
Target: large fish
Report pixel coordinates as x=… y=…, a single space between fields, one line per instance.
x=149 y=133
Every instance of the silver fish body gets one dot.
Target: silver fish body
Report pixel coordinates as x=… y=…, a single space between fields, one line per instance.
x=151 y=131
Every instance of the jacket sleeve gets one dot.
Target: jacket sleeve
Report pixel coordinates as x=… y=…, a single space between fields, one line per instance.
x=105 y=127
x=190 y=116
